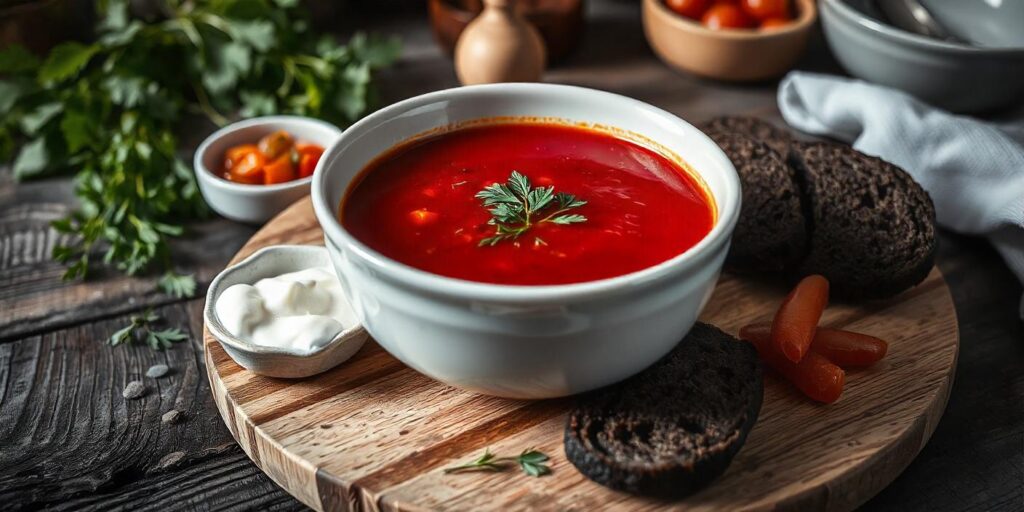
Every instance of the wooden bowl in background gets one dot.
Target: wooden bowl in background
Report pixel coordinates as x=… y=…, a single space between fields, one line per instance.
x=560 y=22
x=733 y=55
x=41 y=24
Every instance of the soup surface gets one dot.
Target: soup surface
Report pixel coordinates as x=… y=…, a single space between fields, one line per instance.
x=423 y=204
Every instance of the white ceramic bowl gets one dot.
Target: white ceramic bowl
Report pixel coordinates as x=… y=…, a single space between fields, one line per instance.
x=254 y=203
x=272 y=361
x=525 y=341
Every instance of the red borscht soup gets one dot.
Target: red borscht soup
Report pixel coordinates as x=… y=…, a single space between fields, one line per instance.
x=527 y=204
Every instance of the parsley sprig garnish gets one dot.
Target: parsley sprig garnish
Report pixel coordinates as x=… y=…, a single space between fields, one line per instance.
x=516 y=206
x=156 y=339
x=531 y=461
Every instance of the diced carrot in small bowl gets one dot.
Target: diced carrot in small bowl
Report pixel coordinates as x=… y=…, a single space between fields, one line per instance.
x=248 y=168
x=281 y=170
x=240 y=181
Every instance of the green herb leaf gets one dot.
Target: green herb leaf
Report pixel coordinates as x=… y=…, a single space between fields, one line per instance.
x=125 y=91
x=515 y=207
x=530 y=461
x=16 y=59
x=567 y=219
x=256 y=103
x=143 y=323
x=566 y=201
x=177 y=285
x=10 y=93
x=78 y=130
x=161 y=340
x=258 y=34
x=375 y=51
x=65 y=61
x=33 y=159
x=32 y=122
x=109 y=111
x=122 y=335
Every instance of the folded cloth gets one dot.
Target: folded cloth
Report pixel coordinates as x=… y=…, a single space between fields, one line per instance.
x=973 y=170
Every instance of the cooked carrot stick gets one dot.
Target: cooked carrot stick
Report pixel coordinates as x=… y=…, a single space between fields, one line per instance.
x=814 y=375
x=798 y=316
x=845 y=349
x=849 y=349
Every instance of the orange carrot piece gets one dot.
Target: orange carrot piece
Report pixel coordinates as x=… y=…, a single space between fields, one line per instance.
x=849 y=349
x=249 y=169
x=308 y=147
x=845 y=349
x=280 y=170
x=275 y=144
x=798 y=316
x=236 y=153
x=815 y=376
x=422 y=217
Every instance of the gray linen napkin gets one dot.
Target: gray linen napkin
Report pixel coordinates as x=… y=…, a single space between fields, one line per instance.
x=973 y=170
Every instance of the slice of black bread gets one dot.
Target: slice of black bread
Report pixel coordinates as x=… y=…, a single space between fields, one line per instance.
x=771 y=235
x=750 y=127
x=872 y=226
x=676 y=426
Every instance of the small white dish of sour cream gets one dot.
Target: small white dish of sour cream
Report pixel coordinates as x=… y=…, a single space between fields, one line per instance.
x=282 y=313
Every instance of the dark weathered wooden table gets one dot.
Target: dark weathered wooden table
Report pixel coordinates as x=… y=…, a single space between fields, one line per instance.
x=68 y=440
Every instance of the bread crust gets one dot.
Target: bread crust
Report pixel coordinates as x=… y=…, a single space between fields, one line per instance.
x=860 y=221
x=873 y=226
x=771 y=234
x=675 y=427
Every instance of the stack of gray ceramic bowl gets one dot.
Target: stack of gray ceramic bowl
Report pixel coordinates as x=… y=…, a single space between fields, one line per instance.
x=975 y=63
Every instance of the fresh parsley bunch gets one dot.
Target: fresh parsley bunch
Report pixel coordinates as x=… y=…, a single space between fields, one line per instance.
x=109 y=112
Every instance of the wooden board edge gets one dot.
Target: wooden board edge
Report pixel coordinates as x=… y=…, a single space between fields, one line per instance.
x=287 y=470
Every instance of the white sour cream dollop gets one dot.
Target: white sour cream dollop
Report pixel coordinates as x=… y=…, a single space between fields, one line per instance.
x=301 y=310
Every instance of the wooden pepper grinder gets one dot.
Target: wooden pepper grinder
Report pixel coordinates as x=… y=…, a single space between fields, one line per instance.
x=499 y=46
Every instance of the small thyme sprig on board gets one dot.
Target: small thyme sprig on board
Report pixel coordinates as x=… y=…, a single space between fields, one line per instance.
x=531 y=461
x=516 y=206
x=157 y=340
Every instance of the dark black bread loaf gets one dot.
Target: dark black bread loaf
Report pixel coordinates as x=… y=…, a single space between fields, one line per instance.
x=867 y=225
x=675 y=427
x=872 y=225
x=771 y=235
x=750 y=127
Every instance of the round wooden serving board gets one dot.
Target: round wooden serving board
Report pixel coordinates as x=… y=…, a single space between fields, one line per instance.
x=373 y=434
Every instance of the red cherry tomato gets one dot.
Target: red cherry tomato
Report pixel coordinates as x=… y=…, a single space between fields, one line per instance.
x=775 y=23
x=690 y=8
x=766 y=9
x=726 y=16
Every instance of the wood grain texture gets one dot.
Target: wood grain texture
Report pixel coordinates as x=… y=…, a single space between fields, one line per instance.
x=373 y=434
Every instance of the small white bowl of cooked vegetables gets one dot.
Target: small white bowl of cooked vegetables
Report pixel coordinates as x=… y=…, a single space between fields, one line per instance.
x=251 y=170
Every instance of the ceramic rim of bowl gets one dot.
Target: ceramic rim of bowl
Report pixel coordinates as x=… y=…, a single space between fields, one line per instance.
x=893 y=34
x=728 y=212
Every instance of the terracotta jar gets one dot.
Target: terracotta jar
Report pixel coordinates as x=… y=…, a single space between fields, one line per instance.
x=560 y=22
